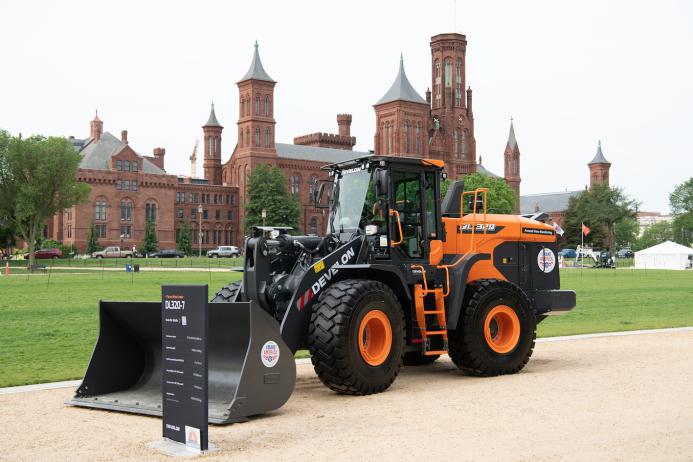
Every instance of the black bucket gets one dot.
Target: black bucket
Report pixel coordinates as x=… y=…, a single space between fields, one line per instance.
x=125 y=372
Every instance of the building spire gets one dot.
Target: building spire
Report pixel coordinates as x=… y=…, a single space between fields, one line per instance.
x=256 y=71
x=96 y=116
x=212 y=120
x=599 y=157
x=512 y=142
x=401 y=89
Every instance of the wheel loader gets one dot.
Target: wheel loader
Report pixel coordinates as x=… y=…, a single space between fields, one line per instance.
x=400 y=277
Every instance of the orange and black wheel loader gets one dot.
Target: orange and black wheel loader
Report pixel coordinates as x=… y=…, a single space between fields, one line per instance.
x=400 y=277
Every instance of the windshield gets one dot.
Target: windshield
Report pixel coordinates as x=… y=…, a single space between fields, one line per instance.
x=352 y=200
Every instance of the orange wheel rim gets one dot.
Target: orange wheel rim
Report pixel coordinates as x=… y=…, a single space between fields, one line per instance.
x=502 y=329
x=375 y=337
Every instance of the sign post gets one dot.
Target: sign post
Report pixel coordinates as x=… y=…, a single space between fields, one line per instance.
x=185 y=372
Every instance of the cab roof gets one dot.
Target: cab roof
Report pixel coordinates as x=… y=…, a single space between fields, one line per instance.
x=437 y=163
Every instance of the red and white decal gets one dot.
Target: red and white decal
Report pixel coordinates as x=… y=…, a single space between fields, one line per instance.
x=305 y=298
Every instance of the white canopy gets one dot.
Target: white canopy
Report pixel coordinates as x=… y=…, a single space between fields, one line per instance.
x=667 y=255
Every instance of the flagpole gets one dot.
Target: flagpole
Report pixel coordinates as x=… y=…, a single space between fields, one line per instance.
x=582 y=248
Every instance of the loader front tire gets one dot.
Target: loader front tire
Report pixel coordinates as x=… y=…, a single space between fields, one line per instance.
x=356 y=337
x=496 y=332
x=227 y=293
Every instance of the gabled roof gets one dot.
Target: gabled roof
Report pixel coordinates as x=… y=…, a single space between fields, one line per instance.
x=546 y=202
x=401 y=89
x=666 y=248
x=317 y=154
x=95 y=155
x=599 y=157
x=256 y=71
x=512 y=142
x=212 y=121
x=481 y=169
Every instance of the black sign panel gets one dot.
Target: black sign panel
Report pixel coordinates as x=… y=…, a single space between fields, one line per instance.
x=184 y=357
x=543 y=232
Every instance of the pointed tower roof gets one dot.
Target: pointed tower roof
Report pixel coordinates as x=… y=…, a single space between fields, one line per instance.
x=256 y=71
x=599 y=157
x=512 y=142
x=96 y=116
x=401 y=89
x=212 y=121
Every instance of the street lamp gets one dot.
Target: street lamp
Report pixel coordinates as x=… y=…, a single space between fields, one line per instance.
x=264 y=215
x=199 y=213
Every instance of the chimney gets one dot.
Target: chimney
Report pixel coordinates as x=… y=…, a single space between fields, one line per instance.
x=158 y=160
x=428 y=95
x=96 y=128
x=344 y=123
x=124 y=136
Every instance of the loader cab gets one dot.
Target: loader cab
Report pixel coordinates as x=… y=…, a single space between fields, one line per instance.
x=393 y=201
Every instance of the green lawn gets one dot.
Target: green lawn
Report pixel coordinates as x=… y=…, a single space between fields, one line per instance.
x=48 y=330
x=187 y=262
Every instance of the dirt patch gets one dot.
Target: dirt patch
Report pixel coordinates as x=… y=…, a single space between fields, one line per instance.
x=615 y=398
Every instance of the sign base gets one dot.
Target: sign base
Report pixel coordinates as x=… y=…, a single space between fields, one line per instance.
x=176 y=449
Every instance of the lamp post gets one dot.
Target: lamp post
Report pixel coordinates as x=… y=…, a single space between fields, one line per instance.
x=264 y=215
x=199 y=238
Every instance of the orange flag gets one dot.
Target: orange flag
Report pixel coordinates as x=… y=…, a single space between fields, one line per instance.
x=585 y=230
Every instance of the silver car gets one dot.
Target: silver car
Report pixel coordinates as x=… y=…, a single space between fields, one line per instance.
x=227 y=251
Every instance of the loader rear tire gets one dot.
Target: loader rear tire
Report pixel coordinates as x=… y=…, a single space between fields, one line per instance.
x=416 y=358
x=228 y=293
x=497 y=332
x=356 y=337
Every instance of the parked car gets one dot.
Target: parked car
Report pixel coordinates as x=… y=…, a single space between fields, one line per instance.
x=625 y=253
x=224 y=251
x=568 y=253
x=167 y=253
x=44 y=254
x=113 y=252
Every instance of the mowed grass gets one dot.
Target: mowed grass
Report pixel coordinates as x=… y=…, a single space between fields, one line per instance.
x=47 y=332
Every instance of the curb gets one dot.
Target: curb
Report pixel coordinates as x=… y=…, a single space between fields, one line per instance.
x=305 y=361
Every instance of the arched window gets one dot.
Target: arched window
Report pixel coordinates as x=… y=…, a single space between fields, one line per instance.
x=247 y=136
x=455 y=143
x=312 y=185
x=242 y=107
x=463 y=144
x=247 y=105
x=448 y=73
x=135 y=167
x=268 y=137
x=389 y=138
x=240 y=138
x=295 y=183
x=406 y=136
x=257 y=104
x=418 y=138
x=516 y=165
x=100 y=209
x=150 y=212
x=437 y=81
x=126 y=210
x=458 y=83
x=257 y=136
x=267 y=106
x=314 y=225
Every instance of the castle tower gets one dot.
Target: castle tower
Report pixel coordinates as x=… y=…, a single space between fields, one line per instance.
x=401 y=117
x=96 y=128
x=256 y=112
x=511 y=171
x=599 y=168
x=452 y=121
x=212 y=148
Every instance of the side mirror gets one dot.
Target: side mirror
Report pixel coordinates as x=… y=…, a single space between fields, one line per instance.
x=381 y=178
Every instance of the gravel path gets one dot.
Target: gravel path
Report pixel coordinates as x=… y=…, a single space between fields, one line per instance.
x=613 y=398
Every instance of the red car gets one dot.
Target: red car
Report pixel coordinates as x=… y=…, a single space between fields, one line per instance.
x=48 y=254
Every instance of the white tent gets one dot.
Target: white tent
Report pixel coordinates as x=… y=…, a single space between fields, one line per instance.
x=667 y=255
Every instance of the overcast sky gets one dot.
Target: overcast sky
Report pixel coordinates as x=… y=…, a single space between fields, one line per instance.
x=569 y=74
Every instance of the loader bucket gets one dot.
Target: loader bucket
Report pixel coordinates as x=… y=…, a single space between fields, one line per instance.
x=125 y=370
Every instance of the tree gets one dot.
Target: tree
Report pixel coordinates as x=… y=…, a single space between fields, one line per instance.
x=37 y=180
x=681 y=203
x=601 y=209
x=150 y=243
x=92 y=240
x=8 y=236
x=267 y=190
x=653 y=235
x=626 y=232
x=501 y=197
x=184 y=244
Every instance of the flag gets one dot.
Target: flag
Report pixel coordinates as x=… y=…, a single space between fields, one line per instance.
x=585 y=230
x=558 y=229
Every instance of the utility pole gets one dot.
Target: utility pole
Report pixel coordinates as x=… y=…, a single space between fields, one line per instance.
x=199 y=213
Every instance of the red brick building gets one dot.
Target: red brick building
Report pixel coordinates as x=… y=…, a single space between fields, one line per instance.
x=128 y=188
